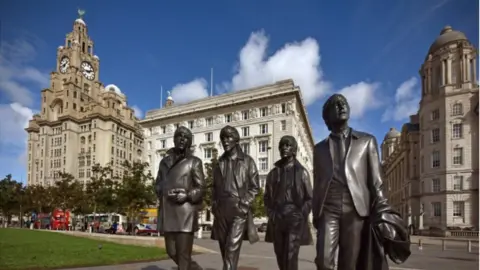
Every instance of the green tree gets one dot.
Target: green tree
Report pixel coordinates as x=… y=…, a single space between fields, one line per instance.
x=67 y=193
x=10 y=197
x=39 y=198
x=207 y=201
x=136 y=190
x=258 y=206
x=101 y=191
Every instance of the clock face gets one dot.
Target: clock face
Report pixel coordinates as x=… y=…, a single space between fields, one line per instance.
x=64 y=64
x=88 y=71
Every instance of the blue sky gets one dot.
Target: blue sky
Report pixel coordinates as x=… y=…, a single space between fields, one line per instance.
x=369 y=50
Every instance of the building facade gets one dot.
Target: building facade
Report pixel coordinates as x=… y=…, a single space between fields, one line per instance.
x=262 y=116
x=81 y=122
x=447 y=155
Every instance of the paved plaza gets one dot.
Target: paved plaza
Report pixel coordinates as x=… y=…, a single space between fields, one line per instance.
x=261 y=256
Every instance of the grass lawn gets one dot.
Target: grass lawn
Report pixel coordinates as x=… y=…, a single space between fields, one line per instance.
x=32 y=249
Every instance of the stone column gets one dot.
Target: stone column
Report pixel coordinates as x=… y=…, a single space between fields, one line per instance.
x=444 y=78
x=449 y=70
x=467 y=63
x=474 y=67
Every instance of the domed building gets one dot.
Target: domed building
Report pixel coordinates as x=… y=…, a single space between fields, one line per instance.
x=439 y=190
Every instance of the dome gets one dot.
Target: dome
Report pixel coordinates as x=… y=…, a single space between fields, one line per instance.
x=392 y=134
x=96 y=57
x=447 y=35
x=113 y=88
x=80 y=21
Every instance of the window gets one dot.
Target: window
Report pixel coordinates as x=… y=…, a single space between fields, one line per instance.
x=435 y=135
x=283 y=125
x=209 y=121
x=436 y=185
x=457 y=156
x=245 y=131
x=284 y=107
x=263 y=129
x=262 y=146
x=457 y=182
x=163 y=144
x=263 y=111
x=245 y=115
x=245 y=148
x=458 y=208
x=209 y=136
x=435 y=115
x=263 y=162
x=228 y=118
x=457 y=131
x=457 y=109
x=435 y=159
x=208 y=153
x=164 y=129
x=190 y=124
x=437 y=209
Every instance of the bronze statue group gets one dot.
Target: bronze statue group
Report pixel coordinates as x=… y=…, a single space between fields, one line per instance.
x=349 y=210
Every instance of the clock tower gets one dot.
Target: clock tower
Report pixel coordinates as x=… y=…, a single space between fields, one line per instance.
x=81 y=121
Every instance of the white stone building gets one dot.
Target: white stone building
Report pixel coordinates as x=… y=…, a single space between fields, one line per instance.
x=444 y=179
x=262 y=116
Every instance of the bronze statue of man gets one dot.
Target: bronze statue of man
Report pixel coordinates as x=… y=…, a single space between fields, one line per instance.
x=288 y=201
x=180 y=189
x=235 y=185
x=350 y=211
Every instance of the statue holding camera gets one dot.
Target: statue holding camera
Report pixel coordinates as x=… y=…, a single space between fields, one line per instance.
x=180 y=189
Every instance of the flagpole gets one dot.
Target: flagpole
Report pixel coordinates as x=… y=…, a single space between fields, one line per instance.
x=161 y=96
x=211 y=81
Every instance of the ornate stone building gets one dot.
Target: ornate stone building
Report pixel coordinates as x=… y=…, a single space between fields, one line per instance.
x=400 y=162
x=81 y=122
x=447 y=157
x=262 y=115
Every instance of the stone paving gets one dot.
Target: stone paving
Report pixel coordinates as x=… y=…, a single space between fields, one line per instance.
x=261 y=256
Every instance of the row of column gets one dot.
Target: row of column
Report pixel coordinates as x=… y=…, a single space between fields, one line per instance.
x=467 y=72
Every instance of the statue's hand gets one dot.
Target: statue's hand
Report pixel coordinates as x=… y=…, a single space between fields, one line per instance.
x=181 y=197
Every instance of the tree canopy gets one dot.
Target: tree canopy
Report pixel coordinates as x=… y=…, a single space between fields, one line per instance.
x=103 y=192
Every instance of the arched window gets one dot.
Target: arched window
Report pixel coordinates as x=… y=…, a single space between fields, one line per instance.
x=82 y=140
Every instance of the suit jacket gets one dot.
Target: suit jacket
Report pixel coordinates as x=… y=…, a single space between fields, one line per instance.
x=362 y=169
x=186 y=173
x=302 y=196
x=246 y=178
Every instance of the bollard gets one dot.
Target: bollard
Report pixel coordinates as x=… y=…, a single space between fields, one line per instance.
x=420 y=246
x=444 y=245
x=469 y=246
x=199 y=233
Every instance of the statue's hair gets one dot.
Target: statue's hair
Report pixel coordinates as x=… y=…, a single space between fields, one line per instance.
x=331 y=102
x=230 y=131
x=291 y=140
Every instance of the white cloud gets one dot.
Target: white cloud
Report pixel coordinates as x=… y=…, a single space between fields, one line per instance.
x=16 y=77
x=137 y=111
x=299 y=61
x=362 y=97
x=407 y=97
x=186 y=92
